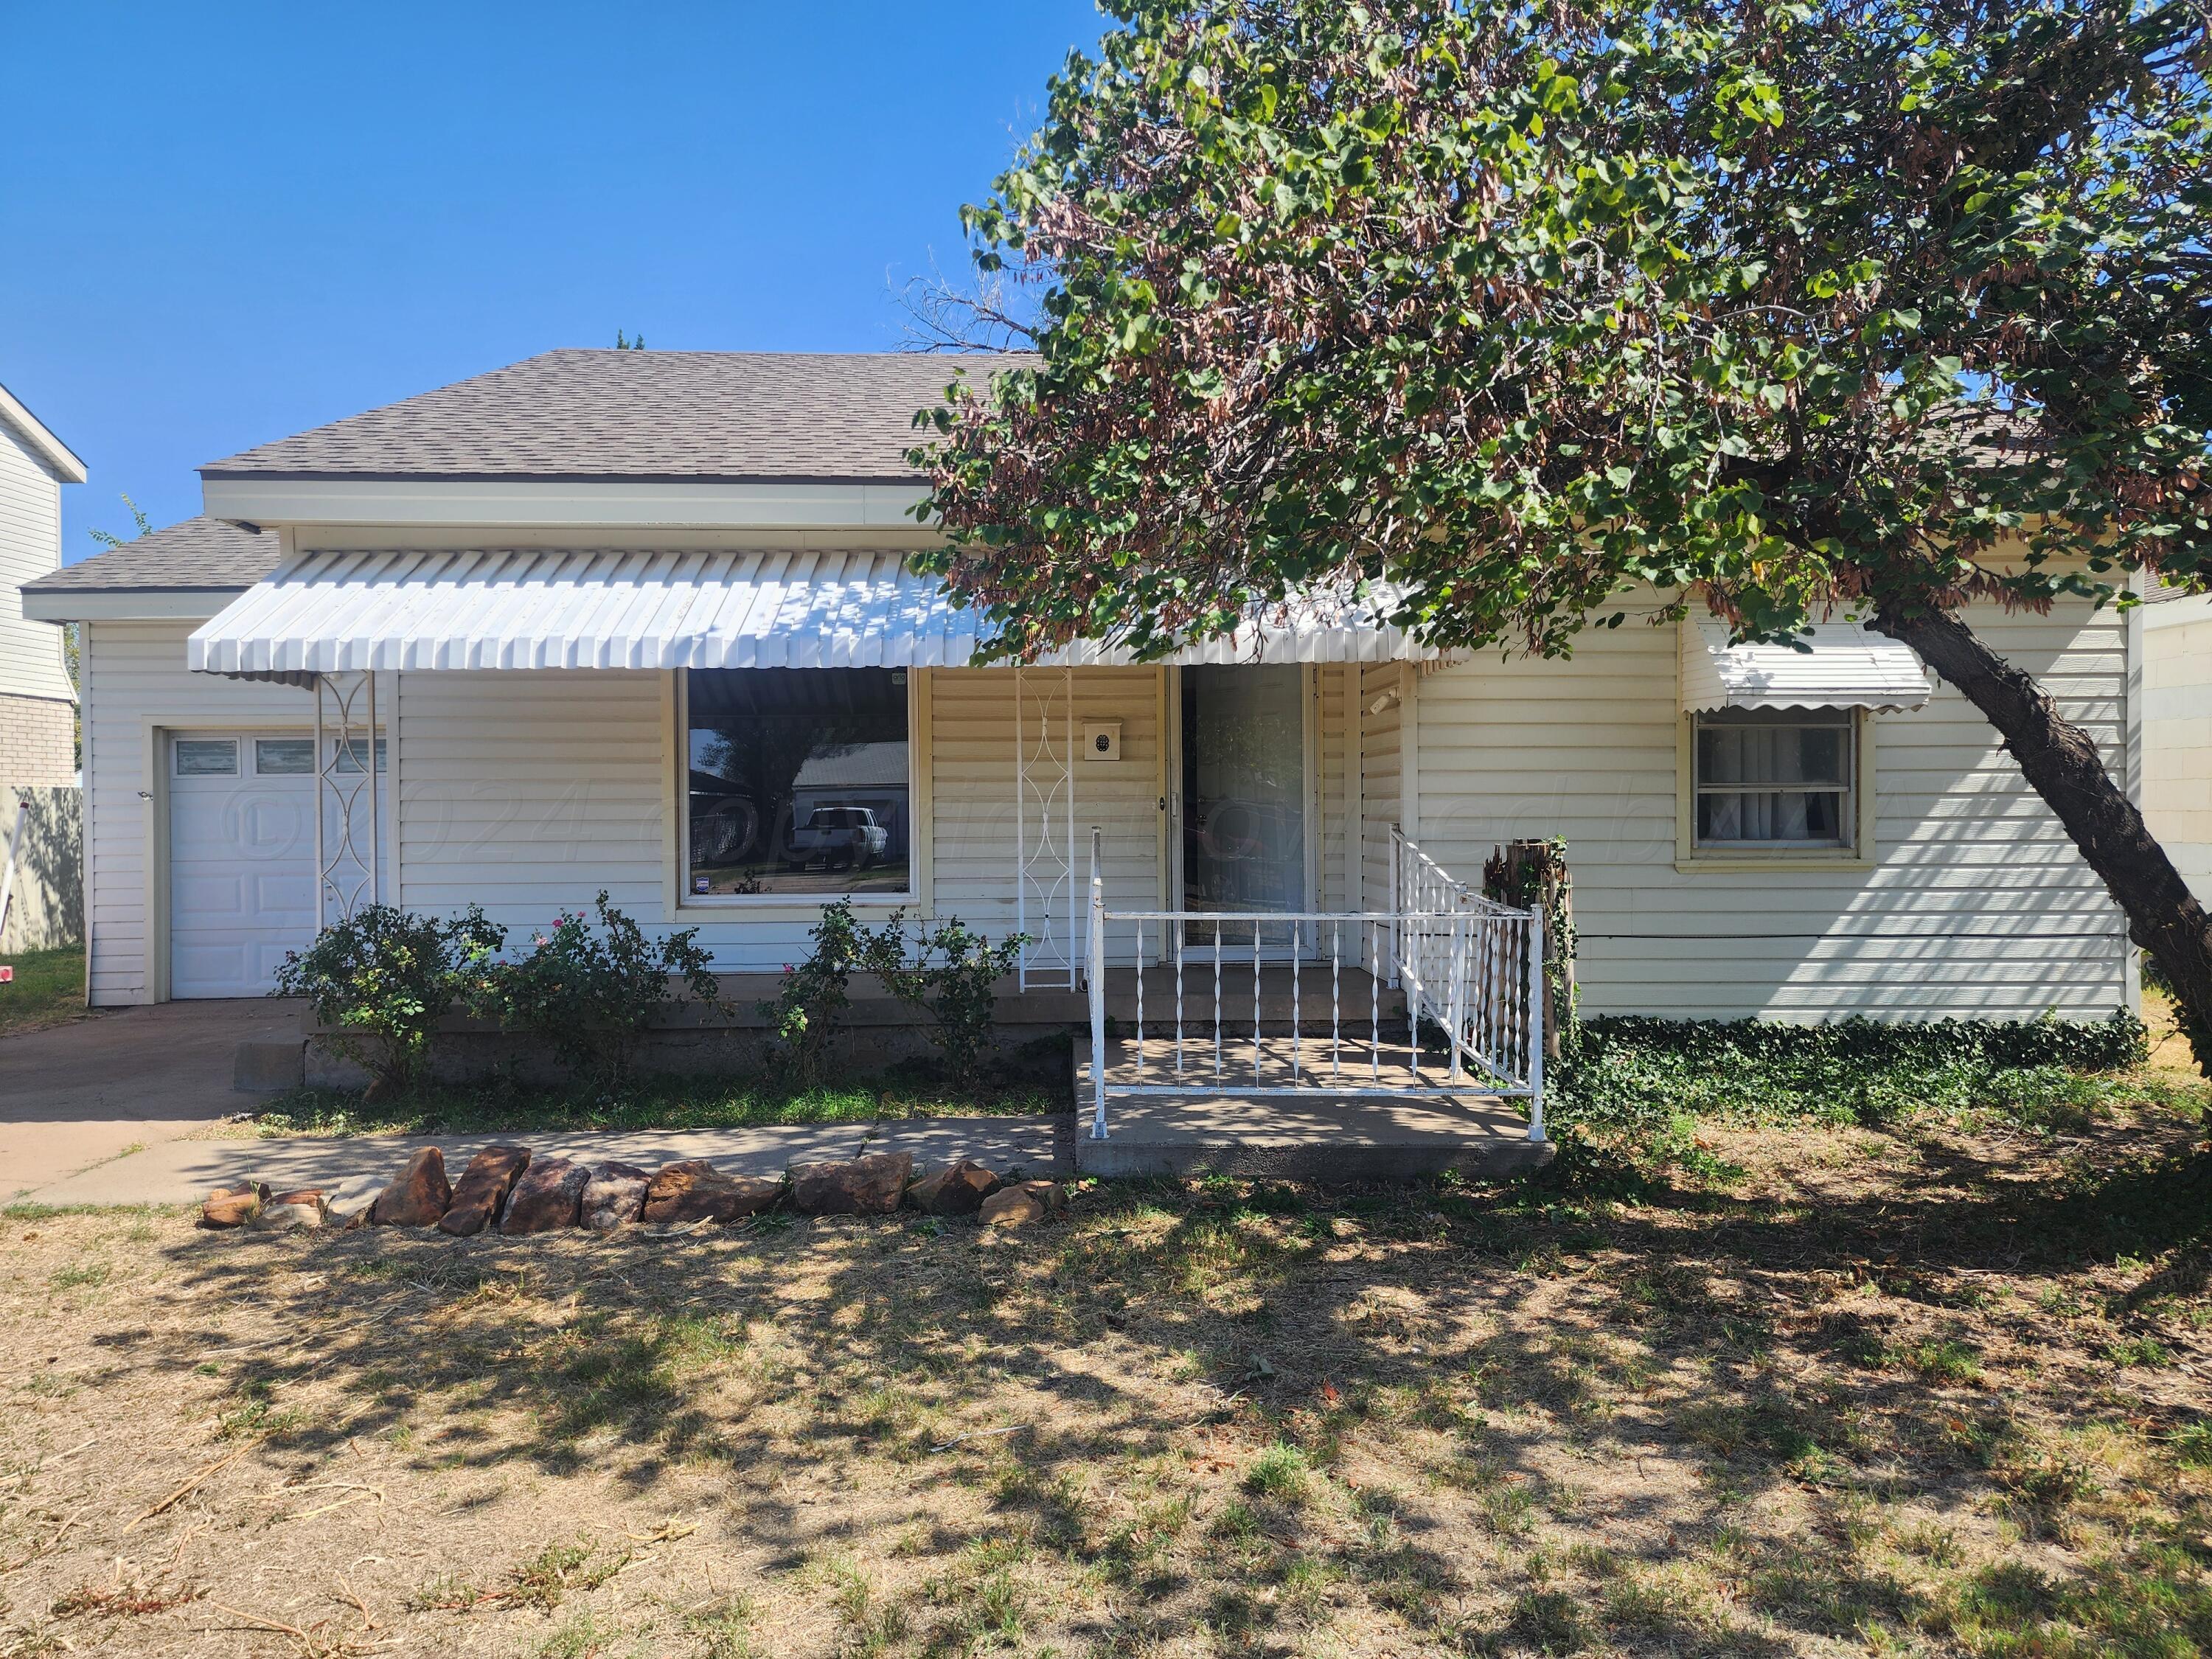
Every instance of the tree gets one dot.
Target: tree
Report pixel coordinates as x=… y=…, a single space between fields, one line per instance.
x=1882 y=305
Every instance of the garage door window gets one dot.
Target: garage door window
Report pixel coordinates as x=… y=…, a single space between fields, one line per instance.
x=207 y=757
x=346 y=757
x=283 y=757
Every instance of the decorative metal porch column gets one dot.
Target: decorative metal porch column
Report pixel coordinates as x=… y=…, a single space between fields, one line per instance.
x=1046 y=901
x=346 y=877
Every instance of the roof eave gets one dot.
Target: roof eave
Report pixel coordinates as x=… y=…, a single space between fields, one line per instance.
x=58 y=456
x=149 y=604
x=619 y=505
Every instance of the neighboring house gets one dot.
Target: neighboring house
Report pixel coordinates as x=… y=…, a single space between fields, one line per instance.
x=619 y=609
x=41 y=838
x=2177 y=729
x=37 y=705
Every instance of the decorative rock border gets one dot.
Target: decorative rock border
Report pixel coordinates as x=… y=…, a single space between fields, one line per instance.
x=505 y=1188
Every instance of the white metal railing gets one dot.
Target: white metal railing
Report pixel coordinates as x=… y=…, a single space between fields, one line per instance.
x=1470 y=969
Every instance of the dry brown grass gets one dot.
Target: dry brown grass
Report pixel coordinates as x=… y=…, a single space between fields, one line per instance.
x=1928 y=1390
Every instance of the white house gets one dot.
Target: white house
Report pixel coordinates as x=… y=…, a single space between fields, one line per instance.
x=620 y=619
x=2177 y=725
x=37 y=704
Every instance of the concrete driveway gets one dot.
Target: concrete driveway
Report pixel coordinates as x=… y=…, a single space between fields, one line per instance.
x=78 y=1095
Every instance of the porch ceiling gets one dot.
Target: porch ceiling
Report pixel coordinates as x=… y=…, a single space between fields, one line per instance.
x=342 y=612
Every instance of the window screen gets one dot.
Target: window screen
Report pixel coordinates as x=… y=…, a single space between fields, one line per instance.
x=798 y=781
x=1774 y=778
x=207 y=757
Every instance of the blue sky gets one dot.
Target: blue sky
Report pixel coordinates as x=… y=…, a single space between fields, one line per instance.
x=227 y=223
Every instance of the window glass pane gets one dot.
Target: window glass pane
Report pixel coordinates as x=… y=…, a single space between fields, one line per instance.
x=1811 y=817
x=283 y=757
x=1775 y=777
x=1775 y=753
x=798 y=780
x=207 y=757
x=346 y=757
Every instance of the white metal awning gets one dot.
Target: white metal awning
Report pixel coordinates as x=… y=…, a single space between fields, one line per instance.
x=1848 y=667
x=344 y=612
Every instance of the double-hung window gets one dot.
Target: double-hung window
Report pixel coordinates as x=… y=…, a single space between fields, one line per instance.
x=1781 y=778
x=798 y=783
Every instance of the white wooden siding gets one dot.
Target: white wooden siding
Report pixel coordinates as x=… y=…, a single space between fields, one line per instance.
x=1382 y=775
x=973 y=855
x=1333 y=685
x=527 y=792
x=136 y=682
x=30 y=546
x=1977 y=904
x=2177 y=734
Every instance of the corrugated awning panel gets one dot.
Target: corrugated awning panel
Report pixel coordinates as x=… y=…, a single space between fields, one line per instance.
x=578 y=607
x=1849 y=667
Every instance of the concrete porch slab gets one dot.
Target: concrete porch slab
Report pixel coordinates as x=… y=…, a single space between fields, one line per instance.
x=1304 y=1133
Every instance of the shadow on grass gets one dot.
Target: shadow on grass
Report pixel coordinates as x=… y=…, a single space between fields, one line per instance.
x=1166 y=1323
x=657 y=1102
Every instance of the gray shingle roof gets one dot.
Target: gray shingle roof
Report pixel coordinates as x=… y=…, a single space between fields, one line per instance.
x=690 y=415
x=205 y=554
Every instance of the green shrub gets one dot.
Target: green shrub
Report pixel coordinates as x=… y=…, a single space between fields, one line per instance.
x=1648 y=1082
x=950 y=973
x=592 y=992
x=384 y=977
x=810 y=1000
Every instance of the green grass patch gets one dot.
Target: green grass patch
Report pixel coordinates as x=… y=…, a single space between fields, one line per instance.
x=655 y=1103
x=48 y=989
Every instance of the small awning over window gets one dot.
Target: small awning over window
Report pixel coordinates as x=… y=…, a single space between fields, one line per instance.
x=342 y=612
x=1849 y=667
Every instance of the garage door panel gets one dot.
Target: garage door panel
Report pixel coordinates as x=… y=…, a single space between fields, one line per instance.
x=286 y=892
x=199 y=897
x=271 y=828
x=202 y=968
x=241 y=866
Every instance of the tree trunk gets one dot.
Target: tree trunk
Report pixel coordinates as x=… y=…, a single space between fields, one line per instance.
x=2061 y=760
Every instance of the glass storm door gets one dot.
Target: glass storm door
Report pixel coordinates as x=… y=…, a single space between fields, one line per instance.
x=1243 y=798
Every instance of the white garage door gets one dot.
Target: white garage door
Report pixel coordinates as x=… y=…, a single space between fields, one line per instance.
x=241 y=859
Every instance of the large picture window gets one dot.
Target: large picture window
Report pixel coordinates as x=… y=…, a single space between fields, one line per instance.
x=1779 y=778
x=800 y=782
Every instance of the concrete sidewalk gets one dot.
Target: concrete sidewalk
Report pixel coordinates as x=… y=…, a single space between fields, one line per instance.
x=185 y=1171
x=72 y=1096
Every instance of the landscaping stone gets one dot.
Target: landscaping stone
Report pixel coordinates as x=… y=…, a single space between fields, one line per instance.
x=281 y=1217
x=234 y=1207
x=481 y=1187
x=614 y=1195
x=958 y=1190
x=863 y=1186
x=347 y=1203
x=695 y=1190
x=419 y=1198
x=1014 y=1207
x=547 y=1196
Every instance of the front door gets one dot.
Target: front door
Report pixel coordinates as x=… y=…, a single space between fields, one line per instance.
x=1244 y=799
